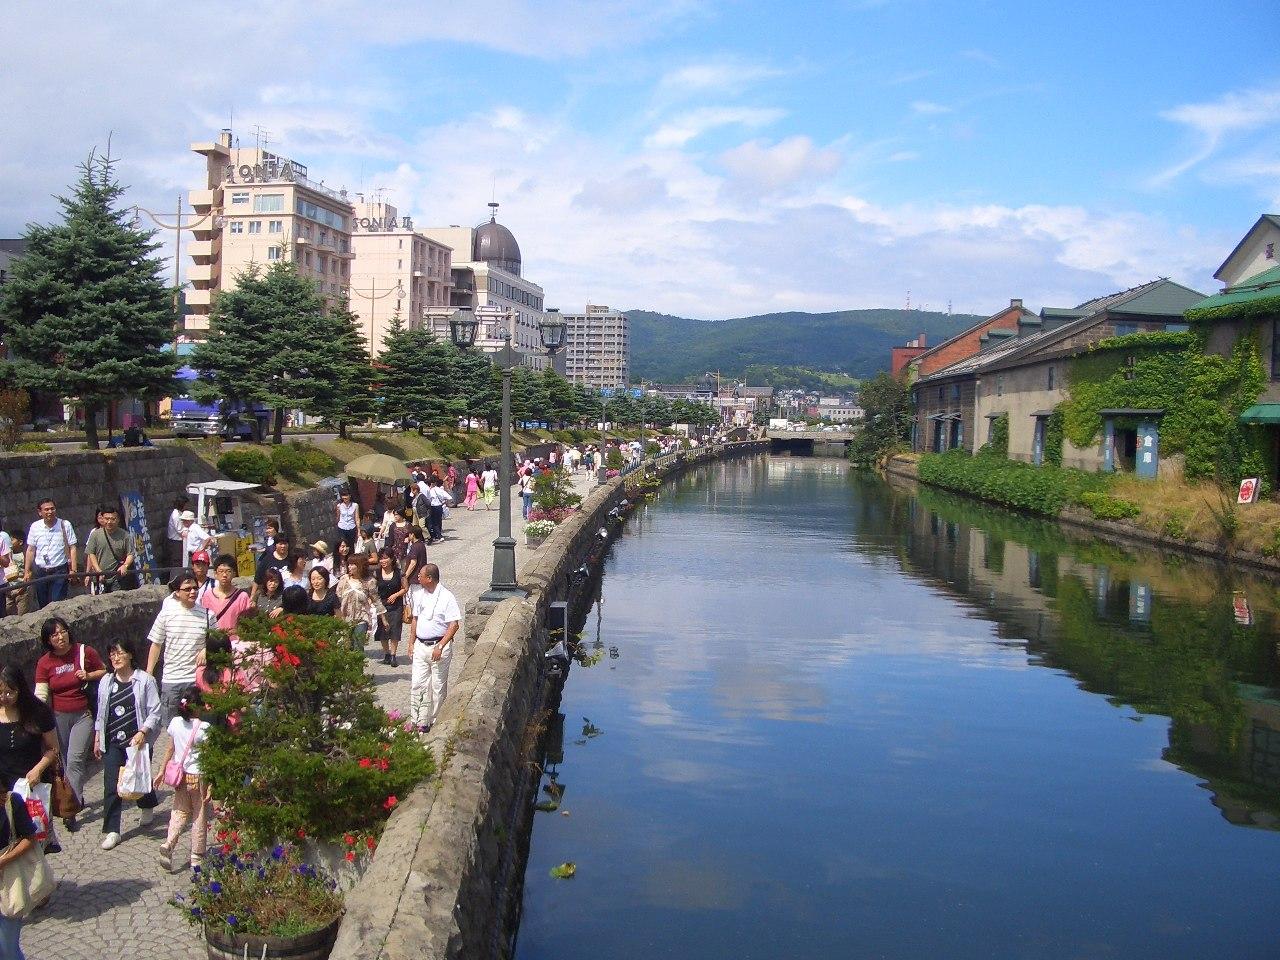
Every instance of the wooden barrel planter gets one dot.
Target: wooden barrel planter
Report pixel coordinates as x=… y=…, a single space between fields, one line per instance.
x=224 y=945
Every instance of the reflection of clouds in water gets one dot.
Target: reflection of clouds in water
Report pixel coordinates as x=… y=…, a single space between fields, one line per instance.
x=760 y=690
x=1156 y=765
x=676 y=770
x=689 y=886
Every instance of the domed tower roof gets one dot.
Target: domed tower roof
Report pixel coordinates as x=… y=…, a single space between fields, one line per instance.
x=495 y=244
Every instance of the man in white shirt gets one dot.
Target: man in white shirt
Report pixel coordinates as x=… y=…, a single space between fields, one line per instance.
x=51 y=551
x=437 y=498
x=179 y=632
x=435 y=623
x=173 y=533
x=194 y=537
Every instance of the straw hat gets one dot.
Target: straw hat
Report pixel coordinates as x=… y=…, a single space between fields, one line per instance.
x=321 y=546
x=186 y=515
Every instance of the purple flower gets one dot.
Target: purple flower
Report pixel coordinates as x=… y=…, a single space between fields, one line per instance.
x=215 y=888
x=231 y=919
x=197 y=912
x=195 y=868
x=277 y=853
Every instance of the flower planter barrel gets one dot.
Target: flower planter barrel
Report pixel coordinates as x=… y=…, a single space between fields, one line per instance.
x=224 y=945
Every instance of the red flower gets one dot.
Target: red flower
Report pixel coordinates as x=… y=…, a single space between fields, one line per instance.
x=278 y=630
x=322 y=645
x=383 y=765
x=302 y=834
x=389 y=803
x=366 y=763
x=370 y=842
x=349 y=840
x=226 y=849
x=235 y=837
x=222 y=835
x=351 y=856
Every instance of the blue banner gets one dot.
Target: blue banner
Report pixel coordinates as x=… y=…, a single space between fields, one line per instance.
x=135 y=521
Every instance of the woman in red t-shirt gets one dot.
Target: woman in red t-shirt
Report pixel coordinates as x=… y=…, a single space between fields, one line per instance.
x=64 y=673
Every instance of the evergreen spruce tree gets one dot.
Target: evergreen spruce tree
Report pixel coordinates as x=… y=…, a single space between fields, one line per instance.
x=562 y=398
x=476 y=387
x=349 y=398
x=417 y=378
x=528 y=399
x=85 y=313
x=267 y=344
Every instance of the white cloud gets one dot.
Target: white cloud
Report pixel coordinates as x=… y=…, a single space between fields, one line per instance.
x=780 y=165
x=688 y=126
x=717 y=74
x=1213 y=122
x=928 y=107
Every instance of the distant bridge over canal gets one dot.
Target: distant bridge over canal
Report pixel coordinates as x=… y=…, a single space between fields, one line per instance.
x=832 y=443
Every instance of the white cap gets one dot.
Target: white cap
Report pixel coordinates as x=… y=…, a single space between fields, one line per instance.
x=186 y=515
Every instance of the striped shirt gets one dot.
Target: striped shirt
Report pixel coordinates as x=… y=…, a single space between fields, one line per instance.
x=182 y=632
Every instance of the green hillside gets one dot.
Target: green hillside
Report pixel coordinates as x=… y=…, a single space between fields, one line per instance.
x=855 y=343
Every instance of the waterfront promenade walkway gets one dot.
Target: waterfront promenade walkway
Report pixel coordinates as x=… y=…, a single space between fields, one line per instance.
x=113 y=905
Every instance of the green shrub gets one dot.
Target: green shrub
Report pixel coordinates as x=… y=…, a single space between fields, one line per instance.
x=1042 y=489
x=998 y=444
x=613 y=459
x=1175 y=525
x=1106 y=507
x=31 y=446
x=248 y=466
x=298 y=457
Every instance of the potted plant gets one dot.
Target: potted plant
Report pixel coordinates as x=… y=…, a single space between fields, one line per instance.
x=537 y=531
x=270 y=900
x=301 y=753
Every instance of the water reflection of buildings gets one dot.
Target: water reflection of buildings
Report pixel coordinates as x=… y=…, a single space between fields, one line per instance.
x=1085 y=610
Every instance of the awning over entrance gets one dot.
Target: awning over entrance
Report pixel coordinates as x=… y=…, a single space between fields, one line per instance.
x=945 y=416
x=1042 y=413
x=1262 y=413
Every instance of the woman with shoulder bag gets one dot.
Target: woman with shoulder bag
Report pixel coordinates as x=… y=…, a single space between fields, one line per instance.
x=16 y=833
x=391 y=591
x=129 y=713
x=67 y=679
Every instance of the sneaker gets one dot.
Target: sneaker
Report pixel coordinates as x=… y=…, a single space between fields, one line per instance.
x=146 y=815
x=166 y=860
x=110 y=840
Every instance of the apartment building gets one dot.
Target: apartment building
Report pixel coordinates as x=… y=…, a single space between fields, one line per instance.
x=487 y=271
x=597 y=347
x=257 y=208
x=395 y=269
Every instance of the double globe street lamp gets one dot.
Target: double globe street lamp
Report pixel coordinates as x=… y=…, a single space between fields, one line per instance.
x=462 y=331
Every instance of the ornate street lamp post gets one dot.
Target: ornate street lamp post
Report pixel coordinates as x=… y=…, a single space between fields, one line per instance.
x=462 y=331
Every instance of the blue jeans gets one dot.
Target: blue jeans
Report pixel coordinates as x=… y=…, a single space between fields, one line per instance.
x=9 y=930
x=527 y=496
x=51 y=591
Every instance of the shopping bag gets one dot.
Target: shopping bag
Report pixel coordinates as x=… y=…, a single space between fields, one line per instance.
x=134 y=781
x=37 y=801
x=26 y=882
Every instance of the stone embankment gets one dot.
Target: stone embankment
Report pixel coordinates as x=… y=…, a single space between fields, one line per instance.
x=448 y=870
x=1120 y=532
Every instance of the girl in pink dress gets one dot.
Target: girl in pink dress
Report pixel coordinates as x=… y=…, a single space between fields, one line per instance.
x=473 y=490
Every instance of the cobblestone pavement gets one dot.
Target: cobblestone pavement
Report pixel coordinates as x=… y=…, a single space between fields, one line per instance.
x=113 y=905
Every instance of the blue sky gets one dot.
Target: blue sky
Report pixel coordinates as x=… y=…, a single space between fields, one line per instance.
x=709 y=159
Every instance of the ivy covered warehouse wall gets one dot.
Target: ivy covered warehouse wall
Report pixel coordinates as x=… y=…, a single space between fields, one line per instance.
x=1202 y=396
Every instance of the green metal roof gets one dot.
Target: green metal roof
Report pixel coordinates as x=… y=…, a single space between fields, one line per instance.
x=1262 y=413
x=1260 y=294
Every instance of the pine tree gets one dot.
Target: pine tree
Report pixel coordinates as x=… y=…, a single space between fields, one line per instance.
x=267 y=344
x=349 y=398
x=85 y=312
x=562 y=398
x=417 y=378
x=476 y=386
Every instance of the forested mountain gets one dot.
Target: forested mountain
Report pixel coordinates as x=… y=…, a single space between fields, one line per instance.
x=855 y=343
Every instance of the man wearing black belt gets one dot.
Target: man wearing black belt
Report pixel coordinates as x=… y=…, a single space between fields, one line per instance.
x=431 y=632
x=51 y=552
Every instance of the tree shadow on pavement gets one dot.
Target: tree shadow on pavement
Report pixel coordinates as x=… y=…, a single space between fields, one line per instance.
x=83 y=900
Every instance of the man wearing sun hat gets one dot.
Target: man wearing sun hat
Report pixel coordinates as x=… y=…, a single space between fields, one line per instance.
x=194 y=537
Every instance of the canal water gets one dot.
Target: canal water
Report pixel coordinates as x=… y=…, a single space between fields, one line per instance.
x=820 y=716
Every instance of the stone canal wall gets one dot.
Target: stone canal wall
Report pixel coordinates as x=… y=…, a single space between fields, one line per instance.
x=79 y=481
x=446 y=877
